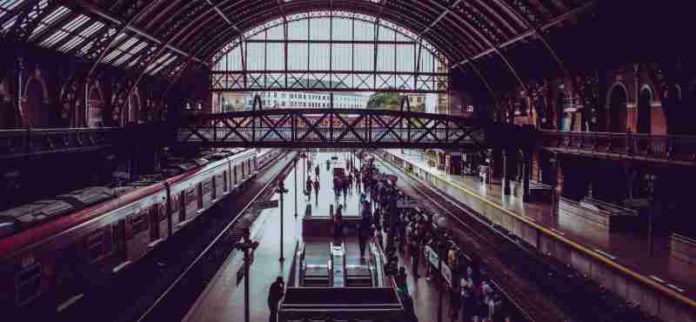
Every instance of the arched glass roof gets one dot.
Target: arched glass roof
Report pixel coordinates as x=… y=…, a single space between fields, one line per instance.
x=165 y=37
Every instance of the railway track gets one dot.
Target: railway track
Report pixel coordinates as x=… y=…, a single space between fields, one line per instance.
x=540 y=287
x=177 y=299
x=160 y=284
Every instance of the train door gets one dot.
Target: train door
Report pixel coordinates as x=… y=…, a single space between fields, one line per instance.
x=225 y=182
x=200 y=195
x=214 y=186
x=154 y=222
x=119 y=236
x=235 y=175
x=182 y=206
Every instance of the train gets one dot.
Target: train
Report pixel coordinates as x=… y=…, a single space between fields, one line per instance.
x=53 y=250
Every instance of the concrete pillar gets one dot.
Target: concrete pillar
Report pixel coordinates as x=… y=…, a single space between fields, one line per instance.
x=506 y=173
x=526 y=173
x=536 y=167
x=557 y=182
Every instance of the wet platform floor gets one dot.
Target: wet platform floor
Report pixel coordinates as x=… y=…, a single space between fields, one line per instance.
x=629 y=249
x=223 y=298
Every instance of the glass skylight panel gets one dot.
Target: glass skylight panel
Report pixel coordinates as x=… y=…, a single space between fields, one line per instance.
x=54 y=38
x=75 y=23
x=96 y=26
x=54 y=16
x=8 y=24
x=127 y=44
x=138 y=47
x=113 y=54
x=71 y=44
x=85 y=49
x=123 y=59
x=161 y=66
x=8 y=5
x=161 y=60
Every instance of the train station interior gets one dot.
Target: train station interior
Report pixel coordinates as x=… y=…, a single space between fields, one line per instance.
x=347 y=160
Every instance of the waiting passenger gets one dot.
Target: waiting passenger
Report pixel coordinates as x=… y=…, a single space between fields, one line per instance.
x=316 y=188
x=275 y=293
x=308 y=187
x=338 y=223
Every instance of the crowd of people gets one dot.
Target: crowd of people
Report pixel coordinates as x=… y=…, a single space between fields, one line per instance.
x=411 y=232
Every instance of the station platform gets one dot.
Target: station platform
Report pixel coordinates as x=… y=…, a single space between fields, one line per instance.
x=624 y=248
x=223 y=297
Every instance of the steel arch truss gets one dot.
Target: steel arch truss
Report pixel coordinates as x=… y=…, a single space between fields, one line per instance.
x=332 y=128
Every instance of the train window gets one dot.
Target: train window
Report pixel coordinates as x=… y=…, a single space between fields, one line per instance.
x=138 y=223
x=224 y=181
x=119 y=238
x=95 y=245
x=200 y=196
x=28 y=284
x=182 y=206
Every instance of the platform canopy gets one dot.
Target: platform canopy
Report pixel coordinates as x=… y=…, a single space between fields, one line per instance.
x=162 y=37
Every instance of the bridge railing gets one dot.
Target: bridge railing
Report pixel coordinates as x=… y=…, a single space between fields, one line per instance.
x=25 y=142
x=665 y=147
x=324 y=135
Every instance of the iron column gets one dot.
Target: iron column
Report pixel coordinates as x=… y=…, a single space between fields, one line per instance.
x=247 y=246
x=281 y=190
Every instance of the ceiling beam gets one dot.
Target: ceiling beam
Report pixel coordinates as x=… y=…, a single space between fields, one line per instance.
x=94 y=10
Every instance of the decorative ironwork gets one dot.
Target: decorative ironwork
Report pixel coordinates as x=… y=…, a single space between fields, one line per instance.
x=324 y=128
x=330 y=51
x=34 y=142
x=674 y=149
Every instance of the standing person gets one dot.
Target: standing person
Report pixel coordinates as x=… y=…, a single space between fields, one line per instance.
x=414 y=250
x=401 y=280
x=328 y=164
x=316 y=170
x=455 y=304
x=337 y=186
x=364 y=234
x=308 y=187
x=275 y=293
x=338 y=223
x=316 y=188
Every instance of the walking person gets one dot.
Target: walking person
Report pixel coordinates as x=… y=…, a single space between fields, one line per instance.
x=316 y=170
x=338 y=223
x=364 y=235
x=414 y=251
x=308 y=187
x=275 y=293
x=316 y=189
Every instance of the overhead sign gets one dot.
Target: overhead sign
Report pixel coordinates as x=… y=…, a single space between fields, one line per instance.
x=265 y=204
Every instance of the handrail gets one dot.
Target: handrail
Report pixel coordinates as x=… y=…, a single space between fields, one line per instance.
x=675 y=148
x=29 y=141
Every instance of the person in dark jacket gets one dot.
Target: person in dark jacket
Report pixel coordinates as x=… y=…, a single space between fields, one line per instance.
x=275 y=293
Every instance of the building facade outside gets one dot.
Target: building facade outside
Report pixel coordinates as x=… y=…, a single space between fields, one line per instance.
x=231 y=101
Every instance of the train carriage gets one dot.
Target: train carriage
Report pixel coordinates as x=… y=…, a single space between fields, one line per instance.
x=54 y=263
